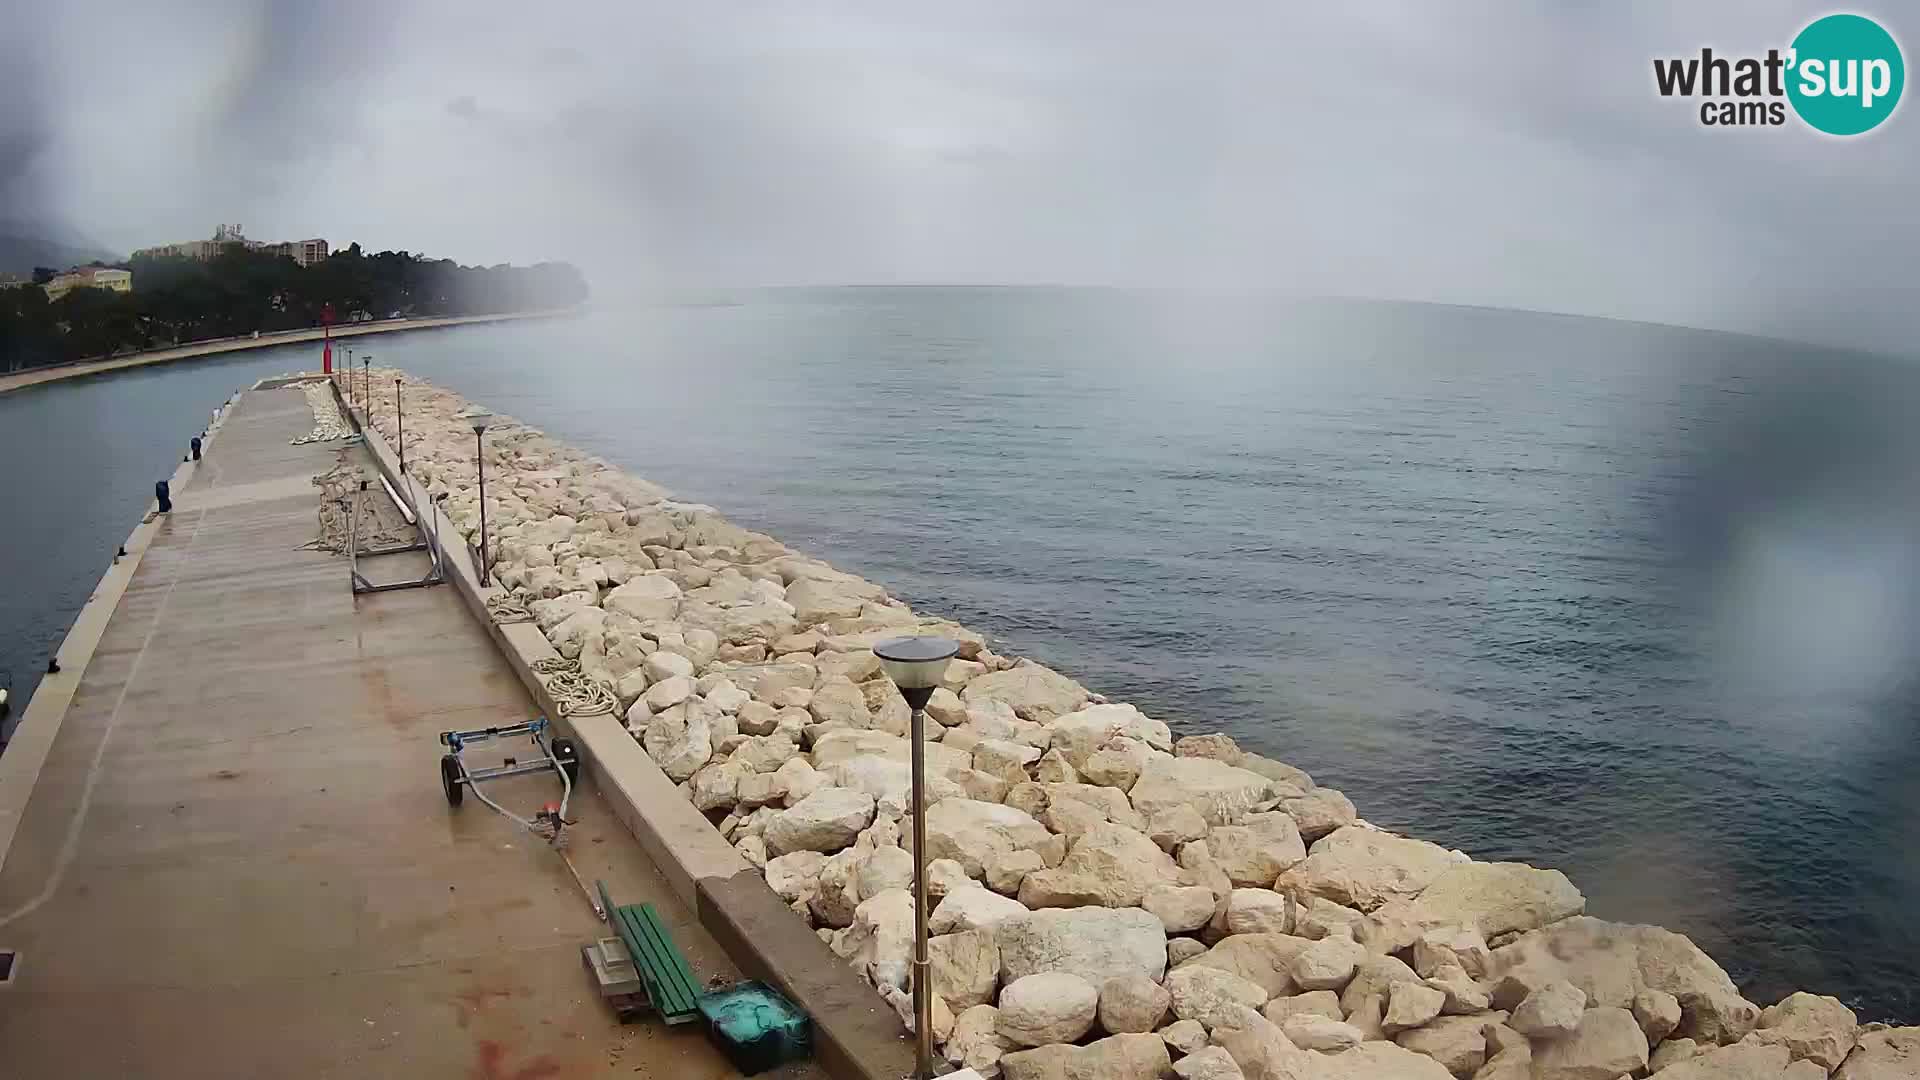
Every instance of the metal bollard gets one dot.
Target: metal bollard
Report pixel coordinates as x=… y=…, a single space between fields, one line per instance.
x=195 y=443
x=164 y=497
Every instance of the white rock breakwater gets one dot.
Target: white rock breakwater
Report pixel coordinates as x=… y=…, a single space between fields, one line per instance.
x=1112 y=901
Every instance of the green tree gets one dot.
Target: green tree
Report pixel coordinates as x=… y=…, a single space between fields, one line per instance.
x=239 y=291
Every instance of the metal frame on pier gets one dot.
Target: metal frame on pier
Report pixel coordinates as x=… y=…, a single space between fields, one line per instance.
x=436 y=570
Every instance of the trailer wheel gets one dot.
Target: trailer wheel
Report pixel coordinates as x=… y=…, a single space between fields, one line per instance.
x=452 y=779
x=568 y=756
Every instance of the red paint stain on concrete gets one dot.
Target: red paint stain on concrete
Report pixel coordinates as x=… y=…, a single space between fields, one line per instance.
x=493 y=1065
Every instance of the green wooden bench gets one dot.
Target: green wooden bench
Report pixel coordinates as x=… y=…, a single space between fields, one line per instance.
x=671 y=987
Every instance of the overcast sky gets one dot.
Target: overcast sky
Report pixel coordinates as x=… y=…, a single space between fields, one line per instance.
x=1505 y=154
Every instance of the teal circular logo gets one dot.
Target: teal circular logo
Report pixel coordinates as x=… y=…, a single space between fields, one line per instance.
x=1846 y=74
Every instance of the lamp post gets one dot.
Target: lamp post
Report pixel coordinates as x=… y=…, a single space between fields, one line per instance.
x=366 y=385
x=479 y=419
x=915 y=664
x=347 y=371
x=399 y=426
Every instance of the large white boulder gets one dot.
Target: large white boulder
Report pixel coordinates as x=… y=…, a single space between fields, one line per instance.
x=836 y=746
x=570 y=635
x=680 y=739
x=1207 y=1062
x=1203 y=993
x=1364 y=868
x=766 y=681
x=1221 y=793
x=1034 y=692
x=835 y=700
x=1131 y=1056
x=1080 y=733
x=754 y=619
x=795 y=876
x=1375 y=978
x=976 y=1042
x=1377 y=1061
x=1812 y=1028
x=826 y=820
x=1493 y=898
x=649 y=598
x=1049 y=1007
x=1614 y=962
x=1258 y=851
x=890 y=783
x=1310 y=1031
x=1259 y=958
x=964 y=967
x=1457 y=1042
x=1320 y=812
x=880 y=941
x=881 y=870
x=1258 y=911
x=1410 y=1005
x=972 y=909
x=1327 y=964
x=1551 y=1012
x=1132 y=1002
x=1885 y=1054
x=1607 y=1044
x=1181 y=908
x=1108 y=866
x=1095 y=943
x=970 y=831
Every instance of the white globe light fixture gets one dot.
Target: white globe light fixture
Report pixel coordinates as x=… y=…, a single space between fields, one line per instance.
x=916 y=665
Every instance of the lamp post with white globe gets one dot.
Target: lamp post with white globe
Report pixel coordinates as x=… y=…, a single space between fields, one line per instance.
x=480 y=419
x=916 y=665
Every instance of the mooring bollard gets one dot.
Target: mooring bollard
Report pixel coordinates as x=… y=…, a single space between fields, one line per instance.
x=164 y=497
x=195 y=443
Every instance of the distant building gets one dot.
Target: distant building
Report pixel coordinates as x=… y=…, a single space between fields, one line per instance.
x=90 y=277
x=304 y=252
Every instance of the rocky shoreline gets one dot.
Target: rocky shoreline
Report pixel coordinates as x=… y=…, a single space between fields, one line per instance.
x=1112 y=901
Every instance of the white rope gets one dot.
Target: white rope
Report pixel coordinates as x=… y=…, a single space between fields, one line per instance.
x=328 y=424
x=338 y=488
x=575 y=692
x=509 y=608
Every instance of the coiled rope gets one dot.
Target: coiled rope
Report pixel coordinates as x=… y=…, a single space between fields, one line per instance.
x=510 y=608
x=574 y=691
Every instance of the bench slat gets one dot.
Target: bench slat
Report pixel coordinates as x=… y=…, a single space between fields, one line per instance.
x=669 y=980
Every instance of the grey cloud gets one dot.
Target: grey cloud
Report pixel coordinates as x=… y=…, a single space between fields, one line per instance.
x=1464 y=153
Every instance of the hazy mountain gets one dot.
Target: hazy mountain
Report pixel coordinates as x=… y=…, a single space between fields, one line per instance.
x=25 y=245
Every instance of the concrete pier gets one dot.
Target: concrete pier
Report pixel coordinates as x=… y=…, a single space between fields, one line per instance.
x=236 y=859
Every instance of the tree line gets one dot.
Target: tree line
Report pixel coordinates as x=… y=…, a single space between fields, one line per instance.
x=239 y=291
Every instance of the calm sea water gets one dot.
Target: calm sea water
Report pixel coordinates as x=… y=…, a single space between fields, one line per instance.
x=1632 y=601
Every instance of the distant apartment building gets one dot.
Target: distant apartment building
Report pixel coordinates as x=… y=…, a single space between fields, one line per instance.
x=90 y=277
x=304 y=252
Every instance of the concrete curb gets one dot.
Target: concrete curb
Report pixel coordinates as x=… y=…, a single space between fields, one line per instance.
x=40 y=724
x=856 y=1036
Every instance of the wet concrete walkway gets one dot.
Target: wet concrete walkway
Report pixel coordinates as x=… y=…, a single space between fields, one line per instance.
x=237 y=860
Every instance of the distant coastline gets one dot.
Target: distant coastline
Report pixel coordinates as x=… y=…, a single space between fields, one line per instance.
x=55 y=372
